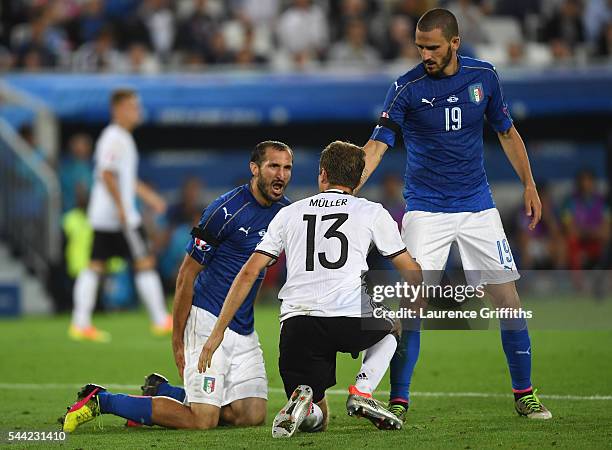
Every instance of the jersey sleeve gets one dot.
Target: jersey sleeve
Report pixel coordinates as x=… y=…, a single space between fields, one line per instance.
x=211 y=231
x=110 y=153
x=394 y=110
x=497 y=110
x=273 y=242
x=386 y=236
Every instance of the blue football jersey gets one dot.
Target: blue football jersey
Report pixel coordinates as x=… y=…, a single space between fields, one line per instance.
x=228 y=232
x=441 y=121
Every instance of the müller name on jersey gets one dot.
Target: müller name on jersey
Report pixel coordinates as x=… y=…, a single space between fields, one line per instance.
x=325 y=203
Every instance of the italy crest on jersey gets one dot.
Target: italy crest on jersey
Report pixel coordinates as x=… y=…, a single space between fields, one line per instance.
x=209 y=385
x=476 y=93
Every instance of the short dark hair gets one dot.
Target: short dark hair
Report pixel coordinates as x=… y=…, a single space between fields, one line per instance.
x=258 y=154
x=344 y=163
x=118 y=95
x=441 y=19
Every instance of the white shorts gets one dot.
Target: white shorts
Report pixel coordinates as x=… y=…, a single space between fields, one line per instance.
x=483 y=246
x=237 y=369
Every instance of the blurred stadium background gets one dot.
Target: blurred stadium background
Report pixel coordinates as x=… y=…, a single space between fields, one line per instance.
x=216 y=77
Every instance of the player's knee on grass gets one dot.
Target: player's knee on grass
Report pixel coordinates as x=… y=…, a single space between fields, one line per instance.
x=246 y=412
x=204 y=417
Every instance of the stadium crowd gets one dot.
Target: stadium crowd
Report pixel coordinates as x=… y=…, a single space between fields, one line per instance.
x=148 y=36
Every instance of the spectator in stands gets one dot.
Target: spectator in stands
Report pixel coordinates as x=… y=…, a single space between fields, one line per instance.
x=604 y=44
x=195 y=32
x=76 y=169
x=38 y=43
x=138 y=59
x=565 y=30
x=99 y=55
x=303 y=32
x=158 y=17
x=353 y=49
x=258 y=12
x=597 y=16
x=543 y=247
x=247 y=55
x=87 y=26
x=413 y=9
x=399 y=38
x=346 y=11
x=471 y=16
x=26 y=132
x=586 y=218
x=217 y=51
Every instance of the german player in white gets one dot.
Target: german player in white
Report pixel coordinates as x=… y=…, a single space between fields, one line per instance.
x=324 y=309
x=438 y=107
x=117 y=223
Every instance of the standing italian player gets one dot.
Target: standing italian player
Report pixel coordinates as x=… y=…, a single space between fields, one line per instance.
x=439 y=108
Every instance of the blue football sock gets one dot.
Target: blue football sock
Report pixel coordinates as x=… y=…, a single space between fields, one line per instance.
x=517 y=347
x=403 y=362
x=138 y=409
x=175 y=392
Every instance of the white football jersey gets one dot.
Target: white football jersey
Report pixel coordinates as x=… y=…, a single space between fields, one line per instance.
x=326 y=239
x=115 y=151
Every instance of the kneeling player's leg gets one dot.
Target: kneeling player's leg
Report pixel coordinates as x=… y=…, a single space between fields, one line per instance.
x=246 y=412
x=375 y=362
x=246 y=384
x=306 y=360
x=161 y=411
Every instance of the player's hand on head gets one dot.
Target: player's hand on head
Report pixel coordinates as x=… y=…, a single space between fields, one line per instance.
x=212 y=344
x=533 y=206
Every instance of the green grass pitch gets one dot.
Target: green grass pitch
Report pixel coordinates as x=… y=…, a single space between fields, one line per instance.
x=36 y=352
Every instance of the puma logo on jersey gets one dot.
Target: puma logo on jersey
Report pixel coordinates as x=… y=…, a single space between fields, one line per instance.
x=397 y=86
x=429 y=102
x=526 y=352
x=244 y=230
x=226 y=213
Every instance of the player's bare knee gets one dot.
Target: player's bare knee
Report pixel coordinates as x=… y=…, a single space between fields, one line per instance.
x=251 y=416
x=204 y=421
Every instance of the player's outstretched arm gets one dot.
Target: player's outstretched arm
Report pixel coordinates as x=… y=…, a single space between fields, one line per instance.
x=515 y=150
x=183 y=297
x=150 y=197
x=235 y=297
x=374 y=151
x=409 y=269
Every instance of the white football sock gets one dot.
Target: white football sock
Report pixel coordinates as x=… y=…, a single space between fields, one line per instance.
x=376 y=360
x=151 y=292
x=313 y=420
x=84 y=297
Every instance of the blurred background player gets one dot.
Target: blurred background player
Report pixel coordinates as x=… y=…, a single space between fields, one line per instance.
x=439 y=108
x=324 y=310
x=235 y=392
x=116 y=222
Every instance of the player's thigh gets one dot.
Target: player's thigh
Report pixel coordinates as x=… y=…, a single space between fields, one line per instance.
x=354 y=335
x=485 y=252
x=305 y=356
x=208 y=387
x=246 y=377
x=106 y=244
x=428 y=238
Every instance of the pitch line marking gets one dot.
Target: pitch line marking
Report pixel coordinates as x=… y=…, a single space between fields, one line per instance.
x=131 y=387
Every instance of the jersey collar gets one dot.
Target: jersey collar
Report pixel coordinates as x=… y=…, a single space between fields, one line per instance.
x=335 y=191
